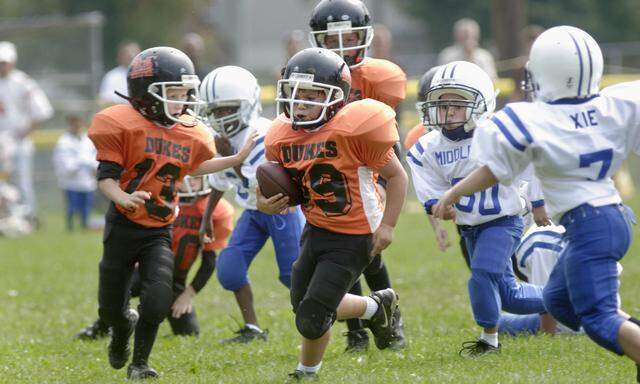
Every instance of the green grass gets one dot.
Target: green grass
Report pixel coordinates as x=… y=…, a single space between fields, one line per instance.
x=48 y=284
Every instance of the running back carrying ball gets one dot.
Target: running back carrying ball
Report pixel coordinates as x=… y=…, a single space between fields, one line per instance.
x=274 y=179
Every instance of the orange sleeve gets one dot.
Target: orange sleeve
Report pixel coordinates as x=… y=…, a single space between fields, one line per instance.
x=414 y=134
x=389 y=82
x=375 y=134
x=271 y=150
x=108 y=138
x=204 y=147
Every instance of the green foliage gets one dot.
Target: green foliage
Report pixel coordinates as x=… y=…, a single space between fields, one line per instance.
x=607 y=21
x=48 y=292
x=149 y=22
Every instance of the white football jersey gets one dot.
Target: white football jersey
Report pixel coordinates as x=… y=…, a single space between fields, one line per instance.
x=575 y=145
x=246 y=183
x=539 y=251
x=437 y=163
x=22 y=102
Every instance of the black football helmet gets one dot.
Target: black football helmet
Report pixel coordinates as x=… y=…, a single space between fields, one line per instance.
x=316 y=69
x=340 y=17
x=151 y=73
x=423 y=88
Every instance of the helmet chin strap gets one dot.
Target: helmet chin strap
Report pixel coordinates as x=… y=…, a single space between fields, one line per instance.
x=456 y=134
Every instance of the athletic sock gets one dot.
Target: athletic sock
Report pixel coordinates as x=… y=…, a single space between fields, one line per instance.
x=370 y=310
x=490 y=338
x=254 y=327
x=306 y=369
x=518 y=324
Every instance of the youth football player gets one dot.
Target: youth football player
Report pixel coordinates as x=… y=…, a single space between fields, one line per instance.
x=145 y=149
x=344 y=26
x=461 y=96
x=232 y=97
x=334 y=151
x=576 y=137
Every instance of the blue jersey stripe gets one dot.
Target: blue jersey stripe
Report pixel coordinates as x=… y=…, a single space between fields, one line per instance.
x=416 y=161
x=260 y=141
x=516 y=120
x=580 y=61
x=256 y=157
x=507 y=134
x=419 y=147
x=541 y=245
x=429 y=204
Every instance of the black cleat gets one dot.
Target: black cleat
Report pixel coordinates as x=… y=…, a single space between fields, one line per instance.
x=298 y=375
x=141 y=372
x=357 y=340
x=398 y=341
x=119 y=349
x=471 y=349
x=382 y=324
x=247 y=335
x=95 y=331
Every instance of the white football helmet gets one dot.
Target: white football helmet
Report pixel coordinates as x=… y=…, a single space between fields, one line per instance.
x=232 y=98
x=564 y=62
x=194 y=186
x=464 y=79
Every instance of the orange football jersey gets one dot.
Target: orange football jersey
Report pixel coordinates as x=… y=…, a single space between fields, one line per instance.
x=336 y=165
x=378 y=79
x=154 y=159
x=186 y=229
x=414 y=134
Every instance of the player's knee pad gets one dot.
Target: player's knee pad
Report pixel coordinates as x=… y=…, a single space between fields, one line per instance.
x=313 y=319
x=155 y=301
x=231 y=270
x=560 y=308
x=602 y=327
x=113 y=317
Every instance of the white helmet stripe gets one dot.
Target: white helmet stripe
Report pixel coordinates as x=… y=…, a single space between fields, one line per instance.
x=580 y=62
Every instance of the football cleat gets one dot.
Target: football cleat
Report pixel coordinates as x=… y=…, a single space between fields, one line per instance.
x=141 y=372
x=299 y=375
x=119 y=349
x=471 y=349
x=357 y=340
x=95 y=331
x=398 y=341
x=383 y=324
x=247 y=335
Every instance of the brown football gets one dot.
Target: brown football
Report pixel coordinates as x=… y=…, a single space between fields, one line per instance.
x=273 y=179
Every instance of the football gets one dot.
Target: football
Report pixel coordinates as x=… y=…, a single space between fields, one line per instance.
x=273 y=179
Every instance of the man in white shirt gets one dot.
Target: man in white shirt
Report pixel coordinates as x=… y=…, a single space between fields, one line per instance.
x=466 y=33
x=116 y=79
x=74 y=160
x=23 y=105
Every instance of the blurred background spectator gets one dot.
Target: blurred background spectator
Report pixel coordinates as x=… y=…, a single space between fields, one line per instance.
x=466 y=36
x=74 y=160
x=23 y=106
x=116 y=78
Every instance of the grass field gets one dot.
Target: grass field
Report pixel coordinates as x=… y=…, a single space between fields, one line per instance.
x=48 y=284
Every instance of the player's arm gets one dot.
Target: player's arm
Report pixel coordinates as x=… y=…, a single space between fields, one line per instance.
x=503 y=152
x=184 y=302
x=108 y=183
x=428 y=182
x=217 y=164
x=206 y=228
x=397 y=183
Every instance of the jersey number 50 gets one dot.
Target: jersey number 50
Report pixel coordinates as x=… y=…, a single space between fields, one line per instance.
x=482 y=208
